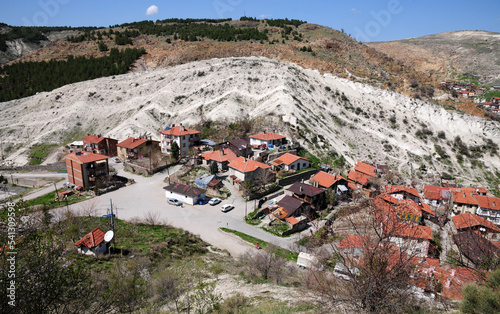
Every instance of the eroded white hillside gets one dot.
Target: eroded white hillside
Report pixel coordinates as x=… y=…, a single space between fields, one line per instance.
x=359 y=121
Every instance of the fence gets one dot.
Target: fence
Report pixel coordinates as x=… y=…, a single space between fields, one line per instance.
x=297 y=177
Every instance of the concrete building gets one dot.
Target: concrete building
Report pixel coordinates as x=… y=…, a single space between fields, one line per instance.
x=85 y=169
x=184 y=137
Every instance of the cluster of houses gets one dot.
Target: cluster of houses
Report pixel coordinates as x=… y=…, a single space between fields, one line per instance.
x=493 y=105
x=465 y=90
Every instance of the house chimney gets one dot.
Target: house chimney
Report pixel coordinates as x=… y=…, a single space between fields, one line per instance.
x=301 y=189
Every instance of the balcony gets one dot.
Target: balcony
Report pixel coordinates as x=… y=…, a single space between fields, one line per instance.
x=167 y=140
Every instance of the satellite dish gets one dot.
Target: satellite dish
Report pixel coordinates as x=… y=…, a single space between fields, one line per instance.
x=109 y=236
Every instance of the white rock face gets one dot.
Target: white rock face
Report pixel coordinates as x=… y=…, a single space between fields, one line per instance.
x=344 y=116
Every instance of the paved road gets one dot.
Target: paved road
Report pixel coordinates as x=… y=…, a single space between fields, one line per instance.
x=147 y=195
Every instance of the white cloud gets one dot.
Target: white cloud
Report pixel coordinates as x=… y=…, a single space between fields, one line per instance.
x=152 y=10
x=265 y=16
x=354 y=11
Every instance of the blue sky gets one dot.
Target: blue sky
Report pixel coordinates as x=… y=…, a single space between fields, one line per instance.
x=366 y=20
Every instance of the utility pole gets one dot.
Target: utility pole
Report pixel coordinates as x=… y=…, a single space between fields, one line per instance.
x=57 y=196
x=112 y=221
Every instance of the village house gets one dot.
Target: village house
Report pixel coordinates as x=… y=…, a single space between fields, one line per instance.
x=489 y=208
x=100 y=145
x=269 y=139
x=241 y=147
x=468 y=221
x=288 y=206
x=463 y=200
x=136 y=148
x=336 y=183
x=312 y=196
x=222 y=157
x=242 y=169
x=289 y=162
x=355 y=245
x=184 y=193
x=412 y=239
x=402 y=192
x=479 y=250
x=184 y=137
x=436 y=196
x=92 y=243
x=85 y=169
x=362 y=173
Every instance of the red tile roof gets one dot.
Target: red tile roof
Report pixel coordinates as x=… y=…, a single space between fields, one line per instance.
x=132 y=142
x=408 y=207
x=326 y=180
x=292 y=220
x=488 y=202
x=222 y=155
x=267 y=136
x=358 y=177
x=184 y=189
x=436 y=192
x=352 y=186
x=287 y=159
x=179 y=131
x=91 y=239
x=86 y=157
x=469 y=220
x=459 y=197
x=389 y=199
x=409 y=230
x=390 y=189
x=366 y=169
x=93 y=139
x=246 y=165
x=354 y=241
x=426 y=208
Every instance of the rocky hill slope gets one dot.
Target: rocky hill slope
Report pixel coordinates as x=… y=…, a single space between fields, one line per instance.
x=325 y=113
x=450 y=55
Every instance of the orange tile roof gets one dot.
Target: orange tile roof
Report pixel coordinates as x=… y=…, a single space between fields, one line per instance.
x=287 y=159
x=91 y=239
x=358 y=177
x=292 y=220
x=352 y=186
x=132 y=142
x=488 y=202
x=93 y=139
x=408 y=230
x=249 y=165
x=354 y=241
x=389 y=199
x=390 y=189
x=435 y=192
x=469 y=220
x=179 y=131
x=380 y=204
x=222 y=155
x=325 y=179
x=408 y=207
x=267 y=136
x=86 y=157
x=460 y=197
x=427 y=208
x=366 y=169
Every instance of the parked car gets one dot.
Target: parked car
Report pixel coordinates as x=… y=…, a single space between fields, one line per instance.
x=214 y=201
x=175 y=202
x=226 y=208
x=117 y=160
x=203 y=201
x=108 y=216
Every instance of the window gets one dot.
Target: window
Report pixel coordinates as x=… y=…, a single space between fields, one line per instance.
x=183 y=144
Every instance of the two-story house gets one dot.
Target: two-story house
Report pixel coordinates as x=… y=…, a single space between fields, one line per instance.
x=268 y=139
x=184 y=137
x=100 y=145
x=313 y=197
x=136 y=148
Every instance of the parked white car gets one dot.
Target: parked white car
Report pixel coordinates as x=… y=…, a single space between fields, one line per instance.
x=214 y=201
x=226 y=208
x=174 y=201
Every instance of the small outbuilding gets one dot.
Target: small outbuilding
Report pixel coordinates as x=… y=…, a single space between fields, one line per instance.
x=92 y=243
x=184 y=193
